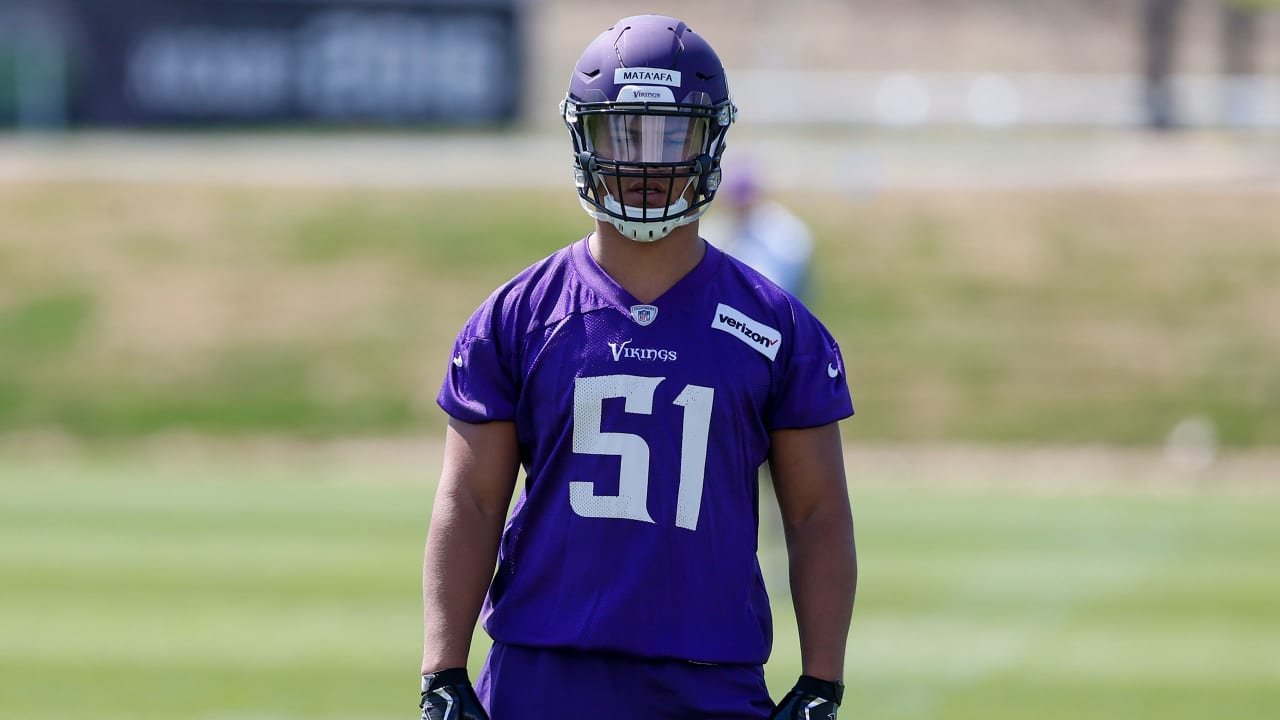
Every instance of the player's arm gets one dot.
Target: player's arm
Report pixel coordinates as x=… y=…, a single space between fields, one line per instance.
x=807 y=466
x=479 y=472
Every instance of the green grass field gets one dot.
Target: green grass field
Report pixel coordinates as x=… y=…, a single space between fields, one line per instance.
x=219 y=589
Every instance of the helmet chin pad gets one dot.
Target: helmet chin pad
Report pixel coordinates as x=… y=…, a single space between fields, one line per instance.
x=650 y=224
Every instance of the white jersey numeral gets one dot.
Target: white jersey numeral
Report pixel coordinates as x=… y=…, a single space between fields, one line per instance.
x=696 y=401
x=589 y=394
x=632 y=500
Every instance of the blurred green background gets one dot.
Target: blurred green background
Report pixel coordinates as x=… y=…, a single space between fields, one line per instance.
x=1002 y=316
x=220 y=350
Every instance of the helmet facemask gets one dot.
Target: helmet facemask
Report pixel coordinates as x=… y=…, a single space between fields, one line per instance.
x=647 y=167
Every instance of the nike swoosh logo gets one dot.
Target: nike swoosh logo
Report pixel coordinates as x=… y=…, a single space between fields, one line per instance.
x=457 y=361
x=832 y=370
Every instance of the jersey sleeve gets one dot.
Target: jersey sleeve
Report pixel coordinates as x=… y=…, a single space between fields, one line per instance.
x=480 y=384
x=811 y=389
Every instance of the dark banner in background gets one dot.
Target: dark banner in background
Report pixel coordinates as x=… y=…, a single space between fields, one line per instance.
x=255 y=62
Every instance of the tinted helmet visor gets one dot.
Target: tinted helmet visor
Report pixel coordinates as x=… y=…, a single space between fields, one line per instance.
x=645 y=138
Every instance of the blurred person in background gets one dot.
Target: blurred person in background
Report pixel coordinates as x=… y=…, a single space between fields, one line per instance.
x=641 y=377
x=761 y=232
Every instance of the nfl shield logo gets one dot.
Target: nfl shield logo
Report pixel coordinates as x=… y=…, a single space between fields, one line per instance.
x=644 y=314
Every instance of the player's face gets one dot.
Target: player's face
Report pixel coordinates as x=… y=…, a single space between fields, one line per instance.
x=646 y=139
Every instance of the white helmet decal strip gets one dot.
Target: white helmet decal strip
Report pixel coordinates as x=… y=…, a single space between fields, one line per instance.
x=646 y=76
x=645 y=93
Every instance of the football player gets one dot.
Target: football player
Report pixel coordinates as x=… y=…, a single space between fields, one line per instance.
x=641 y=377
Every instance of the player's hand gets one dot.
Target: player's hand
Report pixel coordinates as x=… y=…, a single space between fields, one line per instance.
x=810 y=699
x=447 y=695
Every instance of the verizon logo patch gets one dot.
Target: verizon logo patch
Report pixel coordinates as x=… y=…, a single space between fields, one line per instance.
x=761 y=337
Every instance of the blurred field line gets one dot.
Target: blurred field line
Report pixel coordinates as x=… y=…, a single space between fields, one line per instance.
x=850 y=159
x=1053 y=469
x=1085 y=468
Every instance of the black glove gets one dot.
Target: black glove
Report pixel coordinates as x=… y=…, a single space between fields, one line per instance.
x=810 y=699
x=447 y=695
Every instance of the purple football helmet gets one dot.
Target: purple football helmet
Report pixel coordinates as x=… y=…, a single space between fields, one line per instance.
x=648 y=108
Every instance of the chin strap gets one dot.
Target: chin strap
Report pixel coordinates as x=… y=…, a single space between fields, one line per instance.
x=649 y=224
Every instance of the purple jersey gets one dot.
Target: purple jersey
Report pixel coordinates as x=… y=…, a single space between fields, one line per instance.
x=642 y=428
